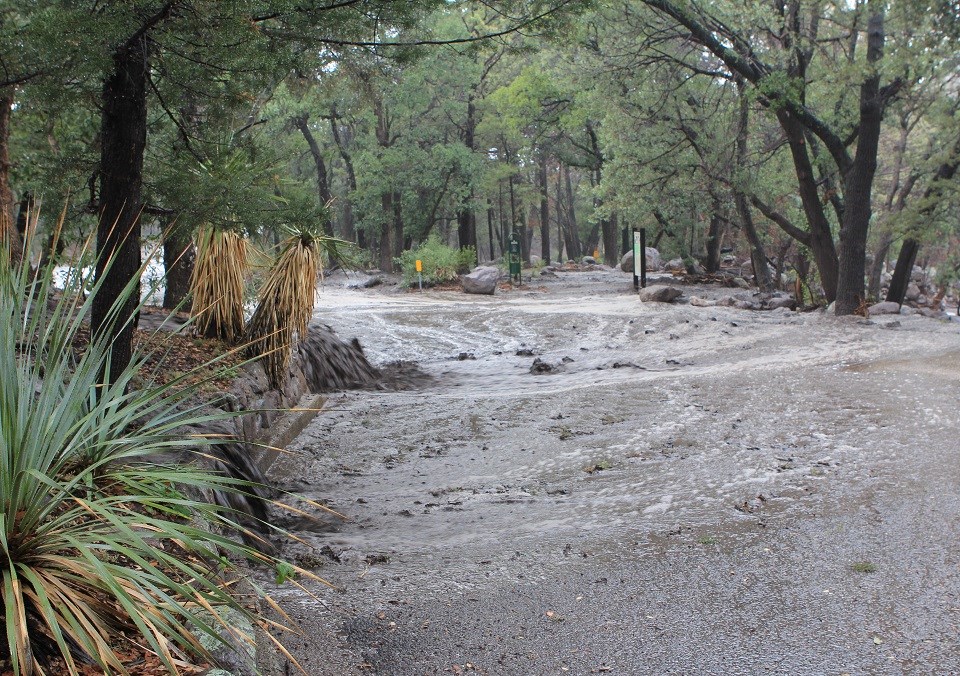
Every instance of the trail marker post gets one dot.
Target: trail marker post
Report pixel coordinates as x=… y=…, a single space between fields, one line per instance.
x=420 y=274
x=640 y=258
x=514 y=258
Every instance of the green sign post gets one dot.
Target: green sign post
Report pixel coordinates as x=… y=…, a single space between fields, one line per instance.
x=514 y=257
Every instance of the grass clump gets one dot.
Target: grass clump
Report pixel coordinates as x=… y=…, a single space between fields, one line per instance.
x=441 y=263
x=863 y=567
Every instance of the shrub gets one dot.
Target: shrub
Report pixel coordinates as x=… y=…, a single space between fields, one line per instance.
x=106 y=545
x=441 y=263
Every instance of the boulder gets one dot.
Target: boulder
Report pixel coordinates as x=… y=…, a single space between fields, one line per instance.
x=534 y=259
x=675 y=265
x=741 y=283
x=884 y=308
x=483 y=280
x=660 y=293
x=745 y=305
x=654 y=262
x=366 y=282
x=696 y=301
x=626 y=262
x=913 y=291
x=588 y=260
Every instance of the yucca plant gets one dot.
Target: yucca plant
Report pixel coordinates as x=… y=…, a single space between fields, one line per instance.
x=105 y=543
x=287 y=298
x=217 y=284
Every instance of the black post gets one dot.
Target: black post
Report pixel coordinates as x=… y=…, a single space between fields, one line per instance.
x=643 y=258
x=636 y=278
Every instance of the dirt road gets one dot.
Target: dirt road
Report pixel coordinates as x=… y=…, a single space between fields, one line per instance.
x=683 y=490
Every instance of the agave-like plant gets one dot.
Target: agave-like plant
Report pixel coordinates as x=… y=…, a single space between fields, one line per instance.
x=287 y=298
x=217 y=284
x=105 y=543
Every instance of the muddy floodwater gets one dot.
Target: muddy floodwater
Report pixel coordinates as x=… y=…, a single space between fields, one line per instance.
x=672 y=490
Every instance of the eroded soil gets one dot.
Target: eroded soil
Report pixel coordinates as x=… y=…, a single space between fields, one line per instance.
x=685 y=490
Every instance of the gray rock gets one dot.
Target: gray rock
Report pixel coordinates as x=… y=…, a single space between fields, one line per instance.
x=588 y=260
x=740 y=282
x=654 y=262
x=660 y=293
x=534 y=259
x=540 y=367
x=675 y=265
x=626 y=262
x=781 y=301
x=483 y=280
x=913 y=291
x=696 y=301
x=366 y=283
x=884 y=308
x=744 y=305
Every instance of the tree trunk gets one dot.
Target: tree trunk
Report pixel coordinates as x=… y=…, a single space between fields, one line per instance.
x=575 y=247
x=386 y=226
x=396 y=237
x=821 y=238
x=903 y=270
x=123 y=141
x=714 y=239
x=544 y=210
x=323 y=187
x=610 y=228
x=466 y=216
x=179 y=256
x=349 y=231
x=858 y=182
x=493 y=254
x=8 y=233
x=876 y=270
x=761 y=273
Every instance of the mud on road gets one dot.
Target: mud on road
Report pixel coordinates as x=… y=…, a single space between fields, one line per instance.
x=680 y=490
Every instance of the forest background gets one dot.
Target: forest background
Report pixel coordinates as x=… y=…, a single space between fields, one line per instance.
x=816 y=137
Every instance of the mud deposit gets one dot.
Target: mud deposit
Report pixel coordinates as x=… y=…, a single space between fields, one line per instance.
x=681 y=490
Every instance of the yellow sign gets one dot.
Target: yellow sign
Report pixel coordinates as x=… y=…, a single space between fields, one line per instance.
x=419 y=266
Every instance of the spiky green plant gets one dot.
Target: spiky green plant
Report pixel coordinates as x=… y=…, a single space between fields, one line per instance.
x=104 y=543
x=217 y=284
x=287 y=299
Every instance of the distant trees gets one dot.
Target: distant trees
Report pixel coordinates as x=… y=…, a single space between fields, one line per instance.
x=827 y=129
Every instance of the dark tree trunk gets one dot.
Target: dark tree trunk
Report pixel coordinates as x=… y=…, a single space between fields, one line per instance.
x=714 y=240
x=349 y=230
x=544 y=210
x=574 y=245
x=8 y=233
x=466 y=216
x=123 y=138
x=876 y=270
x=179 y=256
x=396 y=237
x=858 y=182
x=902 y=271
x=821 y=239
x=467 y=227
x=493 y=254
x=386 y=206
x=610 y=228
x=323 y=186
x=761 y=273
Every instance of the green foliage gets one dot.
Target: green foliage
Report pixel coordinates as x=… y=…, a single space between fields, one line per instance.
x=106 y=542
x=441 y=263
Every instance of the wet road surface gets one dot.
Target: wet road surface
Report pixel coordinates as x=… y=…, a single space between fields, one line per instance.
x=689 y=490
